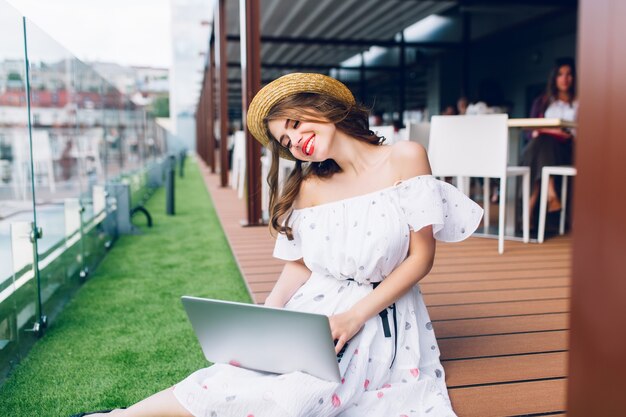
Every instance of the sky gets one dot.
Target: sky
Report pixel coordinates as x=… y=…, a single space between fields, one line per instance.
x=128 y=32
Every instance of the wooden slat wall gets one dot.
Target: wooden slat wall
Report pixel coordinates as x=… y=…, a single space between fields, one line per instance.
x=501 y=320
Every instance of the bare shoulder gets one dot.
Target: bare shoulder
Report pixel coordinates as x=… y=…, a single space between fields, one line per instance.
x=307 y=195
x=410 y=159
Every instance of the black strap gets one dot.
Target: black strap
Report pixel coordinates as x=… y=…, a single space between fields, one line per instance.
x=386 y=329
x=385 y=321
x=395 y=334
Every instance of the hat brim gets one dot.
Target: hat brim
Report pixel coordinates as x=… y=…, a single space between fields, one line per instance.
x=286 y=86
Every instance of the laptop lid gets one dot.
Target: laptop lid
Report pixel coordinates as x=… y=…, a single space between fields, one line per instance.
x=263 y=338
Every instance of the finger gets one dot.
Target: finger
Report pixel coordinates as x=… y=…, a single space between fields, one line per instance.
x=339 y=345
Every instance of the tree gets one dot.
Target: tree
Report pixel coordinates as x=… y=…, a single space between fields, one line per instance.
x=14 y=76
x=160 y=107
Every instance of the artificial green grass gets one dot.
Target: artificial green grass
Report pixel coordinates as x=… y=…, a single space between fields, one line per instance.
x=125 y=334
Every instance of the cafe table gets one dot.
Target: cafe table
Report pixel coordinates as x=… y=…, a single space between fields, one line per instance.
x=539 y=122
x=516 y=125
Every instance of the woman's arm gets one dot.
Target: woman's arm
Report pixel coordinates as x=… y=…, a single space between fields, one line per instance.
x=555 y=131
x=410 y=159
x=415 y=267
x=294 y=275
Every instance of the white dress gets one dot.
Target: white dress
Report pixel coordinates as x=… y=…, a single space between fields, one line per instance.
x=348 y=245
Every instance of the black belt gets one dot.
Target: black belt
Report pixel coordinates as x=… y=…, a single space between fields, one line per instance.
x=385 y=322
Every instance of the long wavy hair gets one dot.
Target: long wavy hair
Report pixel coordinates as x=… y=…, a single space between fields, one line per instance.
x=552 y=92
x=351 y=119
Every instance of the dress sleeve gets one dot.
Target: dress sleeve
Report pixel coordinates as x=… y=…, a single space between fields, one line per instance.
x=428 y=201
x=289 y=250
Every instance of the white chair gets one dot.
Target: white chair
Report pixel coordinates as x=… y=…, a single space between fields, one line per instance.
x=285 y=167
x=420 y=133
x=403 y=134
x=238 y=173
x=565 y=171
x=477 y=146
x=266 y=162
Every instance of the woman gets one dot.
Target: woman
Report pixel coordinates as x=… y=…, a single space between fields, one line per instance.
x=548 y=147
x=352 y=215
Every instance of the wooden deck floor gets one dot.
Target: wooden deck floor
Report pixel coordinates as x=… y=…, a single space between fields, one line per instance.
x=501 y=320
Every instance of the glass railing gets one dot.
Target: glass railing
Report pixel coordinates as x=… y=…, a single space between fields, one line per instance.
x=66 y=134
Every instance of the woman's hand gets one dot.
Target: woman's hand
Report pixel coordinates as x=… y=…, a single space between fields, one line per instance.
x=273 y=302
x=344 y=326
x=560 y=133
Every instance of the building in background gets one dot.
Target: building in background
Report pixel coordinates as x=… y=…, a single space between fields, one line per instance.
x=190 y=29
x=146 y=86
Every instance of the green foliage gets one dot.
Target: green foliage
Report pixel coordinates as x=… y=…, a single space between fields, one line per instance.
x=125 y=335
x=14 y=76
x=160 y=107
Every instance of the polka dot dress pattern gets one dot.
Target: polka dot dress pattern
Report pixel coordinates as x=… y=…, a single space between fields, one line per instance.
x=348 y=245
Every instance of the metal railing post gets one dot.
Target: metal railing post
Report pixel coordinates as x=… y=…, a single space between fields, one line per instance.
x=169 y=186
x=181 y=166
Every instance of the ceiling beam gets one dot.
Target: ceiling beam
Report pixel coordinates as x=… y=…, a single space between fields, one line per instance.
x=320 y=67
x=500 y=3
x=349 y=42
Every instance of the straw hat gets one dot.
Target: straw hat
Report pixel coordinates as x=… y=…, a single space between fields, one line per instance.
x=286 y=86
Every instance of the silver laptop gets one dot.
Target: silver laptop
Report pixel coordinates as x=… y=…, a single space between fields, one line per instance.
x=265 y=339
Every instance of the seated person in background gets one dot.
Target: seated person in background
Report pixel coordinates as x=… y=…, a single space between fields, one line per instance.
x=548 y=147
x=481 y=107
x=490 y=99
x=461 y=105
x=448 y=110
